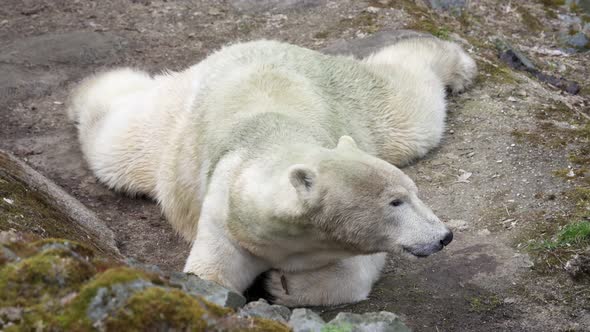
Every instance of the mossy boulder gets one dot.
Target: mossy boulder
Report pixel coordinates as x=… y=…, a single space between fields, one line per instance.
x=62 y=285
x=31 y=203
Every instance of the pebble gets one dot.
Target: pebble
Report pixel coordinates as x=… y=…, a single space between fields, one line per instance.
x=458 y=224
x=372 y=10
x=305 y=320
x=484 y=232
x=263 y=309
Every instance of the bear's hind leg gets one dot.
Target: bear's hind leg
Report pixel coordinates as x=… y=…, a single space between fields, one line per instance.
x=349 y=280
x=451 y=64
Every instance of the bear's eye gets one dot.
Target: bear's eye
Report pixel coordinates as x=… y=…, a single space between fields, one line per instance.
x=396 y=202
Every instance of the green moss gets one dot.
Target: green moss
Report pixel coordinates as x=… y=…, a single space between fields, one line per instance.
x=465 y=19
x=343 y=327
x=574 y=7
x=169 y=309
x=31 y=212
x=482 y=304
x=496 y=72
x=529 y=20
x=172 y=309
x=264 y=325
x=567 y=173
x=322 y=35
x=56 y=283
x=52 y=273
x=77 y=247
x=581 y=197
x=552 y=3
x=75 y=316
x=581 y=157
x=365 y=22
x=432 y=27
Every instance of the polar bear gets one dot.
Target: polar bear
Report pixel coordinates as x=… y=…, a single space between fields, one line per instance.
x=274 y=158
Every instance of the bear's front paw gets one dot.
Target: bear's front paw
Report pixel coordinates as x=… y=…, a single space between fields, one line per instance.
x=283 y=289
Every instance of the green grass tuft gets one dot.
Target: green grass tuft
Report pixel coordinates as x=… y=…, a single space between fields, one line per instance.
x=574 y=234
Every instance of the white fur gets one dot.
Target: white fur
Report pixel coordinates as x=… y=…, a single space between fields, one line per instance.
x=237 y=151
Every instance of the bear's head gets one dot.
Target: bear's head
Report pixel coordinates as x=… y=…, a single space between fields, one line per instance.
x=365 y=204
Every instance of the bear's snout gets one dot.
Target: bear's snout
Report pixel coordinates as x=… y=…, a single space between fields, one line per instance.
x=447 y=239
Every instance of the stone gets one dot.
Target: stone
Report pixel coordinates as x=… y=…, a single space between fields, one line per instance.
x=7 y=255
x=305 y=320
x=514 y=57
x=258 y=6
x=578 y=267
x=517 y=60
x=209 y=290
x=447 y=5
x=19 y=82
x=108 y=300
x=76 y=47
x=61 y=285
x=43 y=208
x=458 y=224
x=263 y=309
x=370 y=322
x=363 y=47
x=579 y=41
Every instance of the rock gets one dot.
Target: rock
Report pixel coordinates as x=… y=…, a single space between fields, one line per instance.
x=514 y=57
x=11 y=314
x=108 y=300
x=447 y=5
x=7 y=255
x=517 y=60
x=262 y=309
x=19 y=82
x=76 y=47
x=62 y=285
x=363 y=47
x=484 y=232
x=581 y=4
x=370 y=322
x=209 y=290
x=43 y=208
x=509 y=300
x=579 y=266
x=458 y=224
x=305 y=320
x=579 y=41
x=257 y=6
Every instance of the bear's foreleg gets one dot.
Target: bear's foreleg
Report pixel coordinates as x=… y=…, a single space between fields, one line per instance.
x=214 y=257
x=348 y=280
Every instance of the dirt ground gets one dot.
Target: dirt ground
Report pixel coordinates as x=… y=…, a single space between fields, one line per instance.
x=495 y=179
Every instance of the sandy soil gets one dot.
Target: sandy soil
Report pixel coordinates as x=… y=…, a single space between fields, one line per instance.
x=492 y=179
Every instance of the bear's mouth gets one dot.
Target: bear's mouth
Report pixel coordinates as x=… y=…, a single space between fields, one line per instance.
x=423 y=251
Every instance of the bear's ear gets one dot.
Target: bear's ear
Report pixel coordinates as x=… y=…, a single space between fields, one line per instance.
x=346 y=142
x=304 y=180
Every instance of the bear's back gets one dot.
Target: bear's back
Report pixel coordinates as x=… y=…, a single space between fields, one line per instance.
x=329 y=96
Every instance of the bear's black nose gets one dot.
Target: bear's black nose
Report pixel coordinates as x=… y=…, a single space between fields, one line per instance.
x=448 y=238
